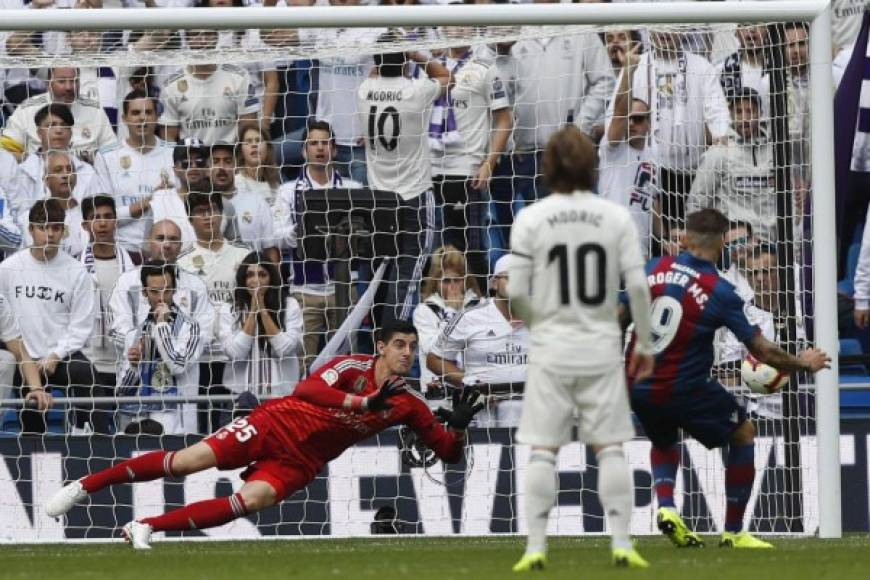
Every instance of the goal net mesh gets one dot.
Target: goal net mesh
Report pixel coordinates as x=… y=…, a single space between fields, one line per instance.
x=712 y=116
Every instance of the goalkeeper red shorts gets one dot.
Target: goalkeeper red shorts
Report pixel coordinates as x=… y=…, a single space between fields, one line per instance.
x=246 y=442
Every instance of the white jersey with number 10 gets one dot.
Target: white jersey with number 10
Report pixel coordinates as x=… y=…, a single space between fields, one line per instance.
x=396 y=113
x=580 y=245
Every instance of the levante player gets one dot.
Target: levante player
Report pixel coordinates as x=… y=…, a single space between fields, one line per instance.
x=690 y=301
x=285 y=442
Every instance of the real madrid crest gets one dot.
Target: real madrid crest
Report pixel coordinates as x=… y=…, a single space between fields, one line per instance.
x=248 y=217
x=181 y=85
x=126 y=162
x=228 y=92
x=198 y=262
x=86 y=133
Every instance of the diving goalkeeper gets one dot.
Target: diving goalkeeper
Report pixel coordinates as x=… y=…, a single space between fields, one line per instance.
x=286 y=442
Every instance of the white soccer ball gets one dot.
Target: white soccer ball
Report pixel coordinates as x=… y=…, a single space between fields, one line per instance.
x=761 y=378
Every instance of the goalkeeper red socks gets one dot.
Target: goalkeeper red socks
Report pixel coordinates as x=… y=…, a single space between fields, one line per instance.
x=664 y=470
x=200 y=515
x=146 y=467
x=739 y=477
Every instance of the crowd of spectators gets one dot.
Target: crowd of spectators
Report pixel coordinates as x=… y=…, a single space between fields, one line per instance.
x=149 y=215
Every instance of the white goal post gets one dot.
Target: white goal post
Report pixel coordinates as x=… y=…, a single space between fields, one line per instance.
x=816 y=13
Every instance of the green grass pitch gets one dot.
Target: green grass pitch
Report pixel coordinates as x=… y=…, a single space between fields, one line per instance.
x=431 y=558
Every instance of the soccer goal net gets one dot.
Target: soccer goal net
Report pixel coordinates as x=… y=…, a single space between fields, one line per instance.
x=283 y=158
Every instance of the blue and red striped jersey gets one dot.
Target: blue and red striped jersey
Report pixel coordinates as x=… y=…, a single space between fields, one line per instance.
x=690 y=301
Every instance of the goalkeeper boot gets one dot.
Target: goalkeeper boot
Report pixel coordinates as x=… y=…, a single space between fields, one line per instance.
x=742 y=540
x=530 y=562
x=65 y=498
x=673 y=526
x=623 y=558
x=138 y=534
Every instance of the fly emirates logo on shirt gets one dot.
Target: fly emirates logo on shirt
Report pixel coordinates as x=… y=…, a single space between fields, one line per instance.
x=514 y=354
x=681 y=276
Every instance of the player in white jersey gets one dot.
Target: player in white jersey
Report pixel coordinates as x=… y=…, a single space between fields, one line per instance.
x=91 y=131
x=627 y=158
x=131 y=170
x=207 y=101
x=395 y=111
x=577 y=248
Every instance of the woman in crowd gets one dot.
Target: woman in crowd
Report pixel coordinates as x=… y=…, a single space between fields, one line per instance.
x=261 y=332
x=445 y=291
x=257 y=170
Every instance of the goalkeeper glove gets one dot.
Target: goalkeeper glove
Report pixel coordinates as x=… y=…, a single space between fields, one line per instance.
x=466 y=404
x=392 y=386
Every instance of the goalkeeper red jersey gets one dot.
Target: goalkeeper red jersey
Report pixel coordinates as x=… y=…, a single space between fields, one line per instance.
x=314 y=428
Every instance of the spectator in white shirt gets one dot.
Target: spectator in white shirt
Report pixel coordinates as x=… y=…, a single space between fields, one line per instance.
x=446 y=290
x=798 y=94
x=468 y=132
x=263 y=333
x=627 y=173
x=190 y=167
x=397 y=158
x=163 y=360
x=54 y=124
x=52 y=297
x=59 y=183
x=207 y=101
x=493 y=345
x=687 y=103
x=216 y=261
x=105 y=261
x=133 y=169
x=249 y=218
x=257 y=170
x=90 y=132
x=128 y=305
x=312 y=282
x=13 y=356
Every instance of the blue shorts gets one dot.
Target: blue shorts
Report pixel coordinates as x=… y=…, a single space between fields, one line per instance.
x=708 y=413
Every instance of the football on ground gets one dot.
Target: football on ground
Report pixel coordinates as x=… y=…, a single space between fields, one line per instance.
x=761 y=378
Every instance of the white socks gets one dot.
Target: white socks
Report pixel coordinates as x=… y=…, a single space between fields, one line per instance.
x=615 y=491
x=540 y=491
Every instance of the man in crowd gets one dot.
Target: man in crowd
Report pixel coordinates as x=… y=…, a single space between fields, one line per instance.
x=54 y=126
x=207 y=101
x=215 y=260
x=686 y=103
x=468 y=133
x=130 y=308
x=164 y=358
x=745 y=68
x=249 y=218
x=131 y=170
x=105 y=260
x=737 y=177
x=493 y=344
x=91 y=130
x=311 y=282
x=52 y=297
x=397 y=155
x=627 y=171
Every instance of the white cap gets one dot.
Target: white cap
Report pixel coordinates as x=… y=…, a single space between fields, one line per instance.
x=501 y=266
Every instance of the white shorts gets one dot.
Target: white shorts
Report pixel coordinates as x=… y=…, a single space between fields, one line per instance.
x=554 y=403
